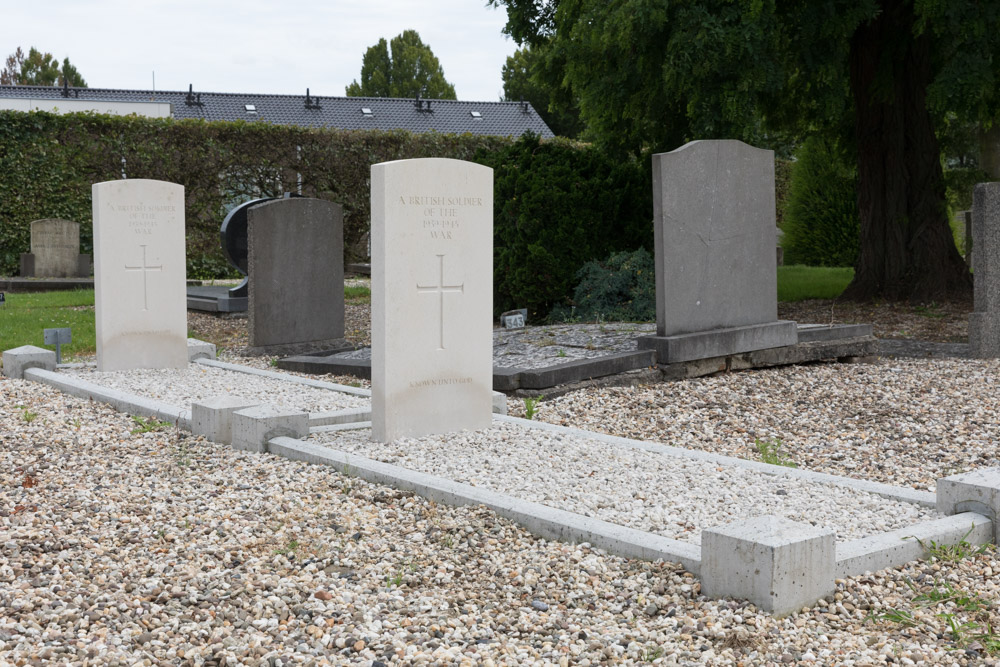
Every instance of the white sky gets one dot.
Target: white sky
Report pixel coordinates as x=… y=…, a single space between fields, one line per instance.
x=255 y=46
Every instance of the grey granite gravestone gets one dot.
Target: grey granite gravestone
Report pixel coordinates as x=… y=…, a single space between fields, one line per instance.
x=295 y=254
x=716 y=280
x=984 y=322
x=55 y=251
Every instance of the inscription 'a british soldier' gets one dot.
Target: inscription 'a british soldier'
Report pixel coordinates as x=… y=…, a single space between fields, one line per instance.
x=440 y=215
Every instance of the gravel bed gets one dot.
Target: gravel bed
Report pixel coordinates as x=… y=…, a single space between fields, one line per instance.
x=181 y=386
x=648 y=491
x=159 y=548
x=903 y=422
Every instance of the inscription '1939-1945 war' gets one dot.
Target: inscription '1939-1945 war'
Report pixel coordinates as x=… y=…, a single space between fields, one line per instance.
x=440 y=213
x=416 y=384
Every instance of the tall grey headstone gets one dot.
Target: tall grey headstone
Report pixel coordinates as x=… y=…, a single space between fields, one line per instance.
x=55 y=250
x=295 y=253
x=432 y=297
x=139 y=275
x=984 y=322
x=714 y=227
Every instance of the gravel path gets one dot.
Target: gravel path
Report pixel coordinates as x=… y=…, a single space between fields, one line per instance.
x=648 y=491
x=123 y=548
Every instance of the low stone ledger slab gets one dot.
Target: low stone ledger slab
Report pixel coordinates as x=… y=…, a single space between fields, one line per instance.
x=720 y=342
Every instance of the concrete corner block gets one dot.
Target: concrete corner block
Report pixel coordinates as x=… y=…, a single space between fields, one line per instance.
x=499 y=403
x=20 y=359
x=778 y=564
x=252 y=428
x=977 y=491
x=213 y=417
x=199 y=349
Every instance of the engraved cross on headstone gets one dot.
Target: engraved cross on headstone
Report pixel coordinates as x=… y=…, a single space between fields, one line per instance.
x=145 y=269
x=440 y=290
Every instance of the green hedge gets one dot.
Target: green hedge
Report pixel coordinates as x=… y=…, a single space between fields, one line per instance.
x=48 y=163
x=559 y=205
x=821 y=225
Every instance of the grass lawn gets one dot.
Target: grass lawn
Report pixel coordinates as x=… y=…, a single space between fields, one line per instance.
x=798 y=283
x=24 y=317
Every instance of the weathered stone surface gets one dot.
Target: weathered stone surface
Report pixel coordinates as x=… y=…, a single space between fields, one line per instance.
x=296 y=267
x=984 y=323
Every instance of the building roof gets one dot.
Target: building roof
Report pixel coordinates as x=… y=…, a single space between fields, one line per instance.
x=345 y=113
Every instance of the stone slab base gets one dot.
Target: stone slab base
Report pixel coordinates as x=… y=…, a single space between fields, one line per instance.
x=810 y=333
x=984 y=335
x=215 y=299
x=331 y=346
x=720 y=342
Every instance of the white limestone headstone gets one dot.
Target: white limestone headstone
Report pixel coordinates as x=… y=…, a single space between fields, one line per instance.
x=432 y=297
x=139 y=275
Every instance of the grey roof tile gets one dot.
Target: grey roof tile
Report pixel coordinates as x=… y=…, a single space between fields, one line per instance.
x=345 y=113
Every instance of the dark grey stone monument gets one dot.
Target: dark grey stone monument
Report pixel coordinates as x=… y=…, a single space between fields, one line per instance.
x=295 y=258
x=984 y=322
x=714 y=232
x=55 y=251
x=233 y=235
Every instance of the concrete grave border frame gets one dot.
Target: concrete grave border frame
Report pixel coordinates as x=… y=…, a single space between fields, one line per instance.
x=726 y=573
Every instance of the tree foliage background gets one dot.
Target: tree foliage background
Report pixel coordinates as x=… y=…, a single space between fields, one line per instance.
x=404 y=67
x=879 y=76
x=39 y=69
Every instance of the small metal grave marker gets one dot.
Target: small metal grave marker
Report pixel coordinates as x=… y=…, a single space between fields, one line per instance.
x=514 y=319
x=58 y=337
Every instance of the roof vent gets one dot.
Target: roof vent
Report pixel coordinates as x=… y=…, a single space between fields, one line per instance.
x=366 y=111
x=312 y=102
x=191 y=99
x=524 y=106
x=251 y=108
x=475 y=114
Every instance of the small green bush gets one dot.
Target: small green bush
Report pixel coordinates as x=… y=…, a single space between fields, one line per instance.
x=620 y=289
x=821 y=224
x=557 y=206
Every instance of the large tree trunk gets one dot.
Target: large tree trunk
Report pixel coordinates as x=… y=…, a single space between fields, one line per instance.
x=907 y=250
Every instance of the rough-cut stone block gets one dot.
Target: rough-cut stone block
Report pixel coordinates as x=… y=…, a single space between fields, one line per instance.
x=778 y=564
x=499 y=403
x=984 y=323
x=720 y=342
x=432 y=297
x=253 y=427
x=20 y=359
x=977 y=491
x=199 y=349
x=213 y=417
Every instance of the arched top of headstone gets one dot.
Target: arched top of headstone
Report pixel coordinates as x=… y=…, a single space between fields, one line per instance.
x=233 y=234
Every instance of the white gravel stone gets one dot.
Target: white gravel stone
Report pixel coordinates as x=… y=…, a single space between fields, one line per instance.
x=645 y=490
x=180 y=387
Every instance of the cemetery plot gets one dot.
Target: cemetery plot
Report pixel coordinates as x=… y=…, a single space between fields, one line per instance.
x=646 y=490
x=181 y=386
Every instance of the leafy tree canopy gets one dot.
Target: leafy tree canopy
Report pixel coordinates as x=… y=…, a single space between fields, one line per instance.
x=39 y=69
x=524 y=78
x=880 y=75
x=405 y=67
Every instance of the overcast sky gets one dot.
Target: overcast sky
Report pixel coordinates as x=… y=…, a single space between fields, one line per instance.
x=256 y=46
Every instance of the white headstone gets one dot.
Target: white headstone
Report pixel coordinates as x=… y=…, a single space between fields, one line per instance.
x=432 y=297
x=139 y=275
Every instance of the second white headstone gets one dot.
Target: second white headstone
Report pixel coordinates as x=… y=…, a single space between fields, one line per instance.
x=139 y=275
x=432 y=297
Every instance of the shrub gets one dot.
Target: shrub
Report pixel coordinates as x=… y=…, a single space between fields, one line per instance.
x=622 y=288
x=557 y=206
x=821 y=220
